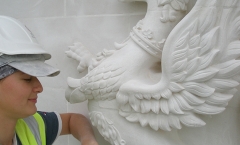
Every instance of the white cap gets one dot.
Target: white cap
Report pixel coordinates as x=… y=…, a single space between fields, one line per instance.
x=16 y=38
x=19 y=49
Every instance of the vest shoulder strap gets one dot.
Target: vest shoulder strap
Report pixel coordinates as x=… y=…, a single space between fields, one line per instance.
x=31 y=130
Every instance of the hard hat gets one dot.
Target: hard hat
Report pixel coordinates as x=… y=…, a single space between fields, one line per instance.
x=16 y=38
x=31 y=64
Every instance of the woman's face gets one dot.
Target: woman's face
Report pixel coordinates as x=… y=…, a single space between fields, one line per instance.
x=18 y=95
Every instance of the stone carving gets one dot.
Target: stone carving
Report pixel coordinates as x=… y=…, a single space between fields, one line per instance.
x=106 y=128
x=167 y=72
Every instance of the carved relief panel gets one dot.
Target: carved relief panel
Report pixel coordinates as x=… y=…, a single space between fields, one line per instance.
x=172 y=70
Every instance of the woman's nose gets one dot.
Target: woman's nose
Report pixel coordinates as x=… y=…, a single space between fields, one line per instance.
x=37 y=85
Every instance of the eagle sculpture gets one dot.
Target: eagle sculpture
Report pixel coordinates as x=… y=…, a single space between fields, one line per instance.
x=173 y=68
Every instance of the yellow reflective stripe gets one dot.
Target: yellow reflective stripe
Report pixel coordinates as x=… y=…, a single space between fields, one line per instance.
x=24 y=133
x=41 y=126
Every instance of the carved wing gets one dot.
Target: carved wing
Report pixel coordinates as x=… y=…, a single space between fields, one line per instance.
x=200 y=67
x=100 y=84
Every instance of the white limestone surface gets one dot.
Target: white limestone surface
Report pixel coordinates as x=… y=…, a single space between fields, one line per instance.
x=57 y=24
x=133 y=100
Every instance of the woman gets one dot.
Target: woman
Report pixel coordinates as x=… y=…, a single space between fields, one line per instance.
x=21 y=62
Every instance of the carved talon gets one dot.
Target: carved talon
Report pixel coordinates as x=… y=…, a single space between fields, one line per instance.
x=81 y=54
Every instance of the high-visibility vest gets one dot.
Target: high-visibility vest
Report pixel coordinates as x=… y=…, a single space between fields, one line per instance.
x=31 y=130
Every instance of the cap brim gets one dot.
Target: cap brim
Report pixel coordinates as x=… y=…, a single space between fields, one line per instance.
x=37 y=68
